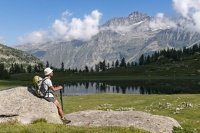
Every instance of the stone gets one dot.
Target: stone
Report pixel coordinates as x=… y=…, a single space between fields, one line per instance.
x=20 y=104
x=137 y=119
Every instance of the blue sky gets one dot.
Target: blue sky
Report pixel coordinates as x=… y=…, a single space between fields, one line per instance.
x=21 y=19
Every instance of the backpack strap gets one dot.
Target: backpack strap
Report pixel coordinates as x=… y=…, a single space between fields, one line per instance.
x=46 y=84
x=48 y=90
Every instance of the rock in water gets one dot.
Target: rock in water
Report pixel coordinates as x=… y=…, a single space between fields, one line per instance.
x=20 y=104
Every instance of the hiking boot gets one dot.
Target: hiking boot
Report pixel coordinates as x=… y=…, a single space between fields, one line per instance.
x=65 y=121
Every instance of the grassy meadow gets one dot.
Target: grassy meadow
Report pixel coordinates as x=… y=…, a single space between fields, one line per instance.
x=6 y=84
x=43 y=127
x=185 y=108
x=182 y=107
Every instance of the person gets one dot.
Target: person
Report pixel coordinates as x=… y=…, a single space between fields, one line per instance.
x=48 y=72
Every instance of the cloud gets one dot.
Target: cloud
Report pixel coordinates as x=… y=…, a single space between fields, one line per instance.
x=2 y=40
x=60 y=27
x=65 y=14
x=190 y=10
x=161 y=22
x=65 y=30
x=34 y=37
x=77 y=28
x=119 y=28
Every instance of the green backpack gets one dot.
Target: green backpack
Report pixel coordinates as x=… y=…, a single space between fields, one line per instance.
x=38 y=83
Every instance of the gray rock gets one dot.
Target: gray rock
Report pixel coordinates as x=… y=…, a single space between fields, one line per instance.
x=137 y=119
x=20 y=104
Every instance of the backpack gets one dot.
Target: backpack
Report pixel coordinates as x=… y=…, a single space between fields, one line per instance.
x=38 y=83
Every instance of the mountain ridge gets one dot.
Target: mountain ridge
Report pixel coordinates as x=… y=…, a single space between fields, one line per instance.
x=125 y=37
x=10 y=56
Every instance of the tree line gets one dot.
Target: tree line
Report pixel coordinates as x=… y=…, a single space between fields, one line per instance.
x=170 y=54
x=16 y=68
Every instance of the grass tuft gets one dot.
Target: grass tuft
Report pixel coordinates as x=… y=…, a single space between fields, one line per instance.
x=40 y=120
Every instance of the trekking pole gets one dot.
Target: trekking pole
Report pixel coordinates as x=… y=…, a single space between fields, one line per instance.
x=61 y=100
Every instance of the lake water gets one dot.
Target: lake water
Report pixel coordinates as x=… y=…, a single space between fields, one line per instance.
x=133 y=87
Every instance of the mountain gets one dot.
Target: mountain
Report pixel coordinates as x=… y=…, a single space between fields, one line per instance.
x=10 y=56
x=125 y=37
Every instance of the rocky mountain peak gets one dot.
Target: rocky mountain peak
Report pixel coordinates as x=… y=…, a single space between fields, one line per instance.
x=127 y=37
x=133 y=18
x=137 y=15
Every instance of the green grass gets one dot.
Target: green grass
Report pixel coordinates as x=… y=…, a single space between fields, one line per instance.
x=188 y=69
x=59 y=128
x=6 y=84
x=166 y=105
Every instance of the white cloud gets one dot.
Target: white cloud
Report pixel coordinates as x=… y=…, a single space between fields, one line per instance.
x=119 y=28
x=190 y=10
x=2 y=40
x=60 y=27
x=34 y=37
x=67 y=30
x=160 y=22
x=77 y=28
x=123 y=29
x=65 y=14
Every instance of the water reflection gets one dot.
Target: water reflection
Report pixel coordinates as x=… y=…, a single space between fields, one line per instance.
x=132 y=87
x=95 y=88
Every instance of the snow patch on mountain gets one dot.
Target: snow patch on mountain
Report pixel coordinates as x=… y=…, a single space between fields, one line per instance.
x=125 y=37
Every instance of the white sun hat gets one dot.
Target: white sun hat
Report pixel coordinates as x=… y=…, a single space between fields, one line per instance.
x=47 y=71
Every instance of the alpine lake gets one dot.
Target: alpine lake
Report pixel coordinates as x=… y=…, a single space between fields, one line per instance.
x=145 y=87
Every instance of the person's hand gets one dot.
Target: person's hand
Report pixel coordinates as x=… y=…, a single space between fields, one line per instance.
x=60 y=87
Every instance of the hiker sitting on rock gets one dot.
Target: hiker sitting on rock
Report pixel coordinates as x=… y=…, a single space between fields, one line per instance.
x=48 y=72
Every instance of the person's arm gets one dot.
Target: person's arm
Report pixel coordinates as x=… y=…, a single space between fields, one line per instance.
x=55 y=88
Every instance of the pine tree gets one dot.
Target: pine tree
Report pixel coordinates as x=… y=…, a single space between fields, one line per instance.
x=148 y=60
x=36 y=68
x=62 y=67
x=29 y=69
x=47 y=65
x=132 y=64
x=102 y=65
x=123 y=63
x=117 y=63
x=108 y=66
x=141 y=60
x=113 y=64
x=91 y=70
x=22 y=70
x=86 y=69
x=40 y=67
x=1 y=70
x=97 y=67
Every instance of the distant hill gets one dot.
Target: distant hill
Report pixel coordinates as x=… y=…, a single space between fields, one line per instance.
x=10 y=56
x=125 y=37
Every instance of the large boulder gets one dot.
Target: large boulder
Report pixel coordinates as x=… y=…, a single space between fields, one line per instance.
x=137 y=119
x=20 y=104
